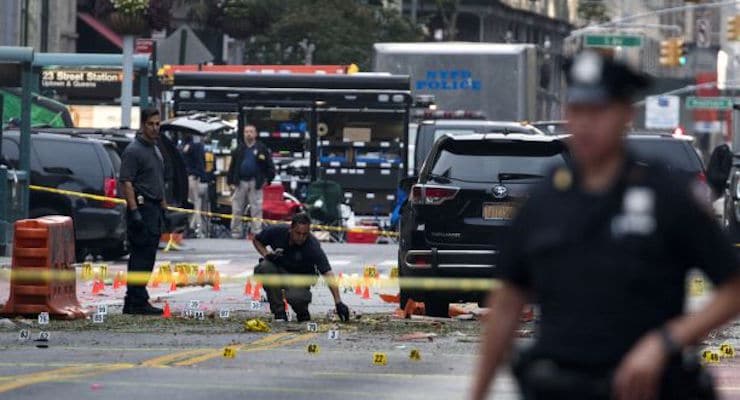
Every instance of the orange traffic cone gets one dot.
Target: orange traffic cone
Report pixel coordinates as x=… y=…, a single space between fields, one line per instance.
x=217 y=282
x=358 y=290
x=173 y=285
x=248 y=288
x=117 y=281
x=154 y=282
x=366 y=293
x=167 y=313
x=201 y=280
x=98 y=286
x=257 y=292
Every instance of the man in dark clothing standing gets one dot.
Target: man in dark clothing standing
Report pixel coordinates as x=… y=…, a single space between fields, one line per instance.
x=293 y=250
x=195 y=164
x=605 y=245
x=250 y=170
x=142 y=175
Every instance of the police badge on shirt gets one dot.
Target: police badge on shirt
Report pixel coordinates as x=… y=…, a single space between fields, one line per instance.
x=638 y=213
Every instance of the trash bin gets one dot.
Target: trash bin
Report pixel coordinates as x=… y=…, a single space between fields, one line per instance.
x=12 y=201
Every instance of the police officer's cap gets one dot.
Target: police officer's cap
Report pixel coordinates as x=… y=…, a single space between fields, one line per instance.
x=593 y=78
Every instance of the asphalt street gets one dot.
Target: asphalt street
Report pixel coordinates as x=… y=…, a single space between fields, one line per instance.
x=138 y=357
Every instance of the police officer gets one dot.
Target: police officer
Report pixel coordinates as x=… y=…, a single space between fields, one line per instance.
x=604 y=246
x=250 y=171
x=142 y=174
x=294 y=251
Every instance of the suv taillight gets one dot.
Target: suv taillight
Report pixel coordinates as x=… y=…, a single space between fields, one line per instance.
x=431 y=195
x=110 y=189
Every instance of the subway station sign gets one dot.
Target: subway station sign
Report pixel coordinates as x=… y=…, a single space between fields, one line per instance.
x=83 y=83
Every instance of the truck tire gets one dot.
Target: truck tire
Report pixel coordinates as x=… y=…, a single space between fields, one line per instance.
x=403 y=298
x=436 y=306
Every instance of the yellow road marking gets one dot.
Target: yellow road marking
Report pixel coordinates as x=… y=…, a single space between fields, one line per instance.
x=72 y=372
x=79 y=371
x=184 y=356
x=162 y=361
x=265 y=343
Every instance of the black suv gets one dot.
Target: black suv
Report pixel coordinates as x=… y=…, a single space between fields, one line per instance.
x=460 y=209
x=78 y=164
x=677 y=153
x=175 y=180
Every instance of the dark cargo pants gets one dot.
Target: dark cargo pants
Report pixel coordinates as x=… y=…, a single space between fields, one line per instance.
x=299 y=297
x=143 y=243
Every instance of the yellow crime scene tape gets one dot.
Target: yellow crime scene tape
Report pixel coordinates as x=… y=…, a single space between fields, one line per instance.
x=31 y=275
x=117 y=200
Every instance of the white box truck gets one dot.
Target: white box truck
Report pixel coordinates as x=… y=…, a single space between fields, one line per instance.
x=498 y=79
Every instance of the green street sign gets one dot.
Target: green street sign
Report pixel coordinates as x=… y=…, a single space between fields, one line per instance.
x=709 y=103
x=613 y=41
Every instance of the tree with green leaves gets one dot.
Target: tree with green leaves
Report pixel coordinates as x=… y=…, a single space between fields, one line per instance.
x=332 y=31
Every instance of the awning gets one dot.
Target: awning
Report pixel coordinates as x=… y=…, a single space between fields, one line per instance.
x=102 y=29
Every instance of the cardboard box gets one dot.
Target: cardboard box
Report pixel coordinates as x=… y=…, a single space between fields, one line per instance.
x=356 y=134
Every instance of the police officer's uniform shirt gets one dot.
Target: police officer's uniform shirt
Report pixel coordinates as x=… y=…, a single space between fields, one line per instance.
x=142 y=165
x=608 y=268
x=305 y=259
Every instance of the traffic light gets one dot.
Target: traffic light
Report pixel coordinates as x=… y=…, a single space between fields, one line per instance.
x=733 y=28
x=671 y=52
x=683 y=53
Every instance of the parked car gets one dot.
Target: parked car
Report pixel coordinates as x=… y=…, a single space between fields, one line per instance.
x=76 y=163
x=460 y=209
x=176 y=179
x=724 y=177
x=677 y=153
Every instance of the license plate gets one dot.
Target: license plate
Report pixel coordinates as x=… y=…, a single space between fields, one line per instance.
x=498 y=211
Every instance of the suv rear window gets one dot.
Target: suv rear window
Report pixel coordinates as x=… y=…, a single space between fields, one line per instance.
x=79 y=157
x=428 y=134
x=673 y=154
x=493 y=162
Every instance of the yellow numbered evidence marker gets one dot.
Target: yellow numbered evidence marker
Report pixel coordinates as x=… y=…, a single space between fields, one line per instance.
x=726 y=350
x=415 y=355
x=710 y=356
x=370 y=272
x=229 y=352
x=380 y=359
x=313 y=348
x=394 y=272
x=697 y=287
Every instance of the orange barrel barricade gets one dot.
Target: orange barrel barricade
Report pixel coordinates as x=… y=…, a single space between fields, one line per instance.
x=42 y=277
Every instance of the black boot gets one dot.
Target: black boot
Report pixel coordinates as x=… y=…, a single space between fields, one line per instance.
x=281 y=316
x=140 y=308
x=304 y=316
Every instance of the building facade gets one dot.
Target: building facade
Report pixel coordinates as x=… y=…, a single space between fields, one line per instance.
x=45 y=25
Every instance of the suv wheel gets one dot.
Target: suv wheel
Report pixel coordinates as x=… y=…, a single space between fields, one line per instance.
x=114 y=253
x=436 y=306
x=81 y=253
